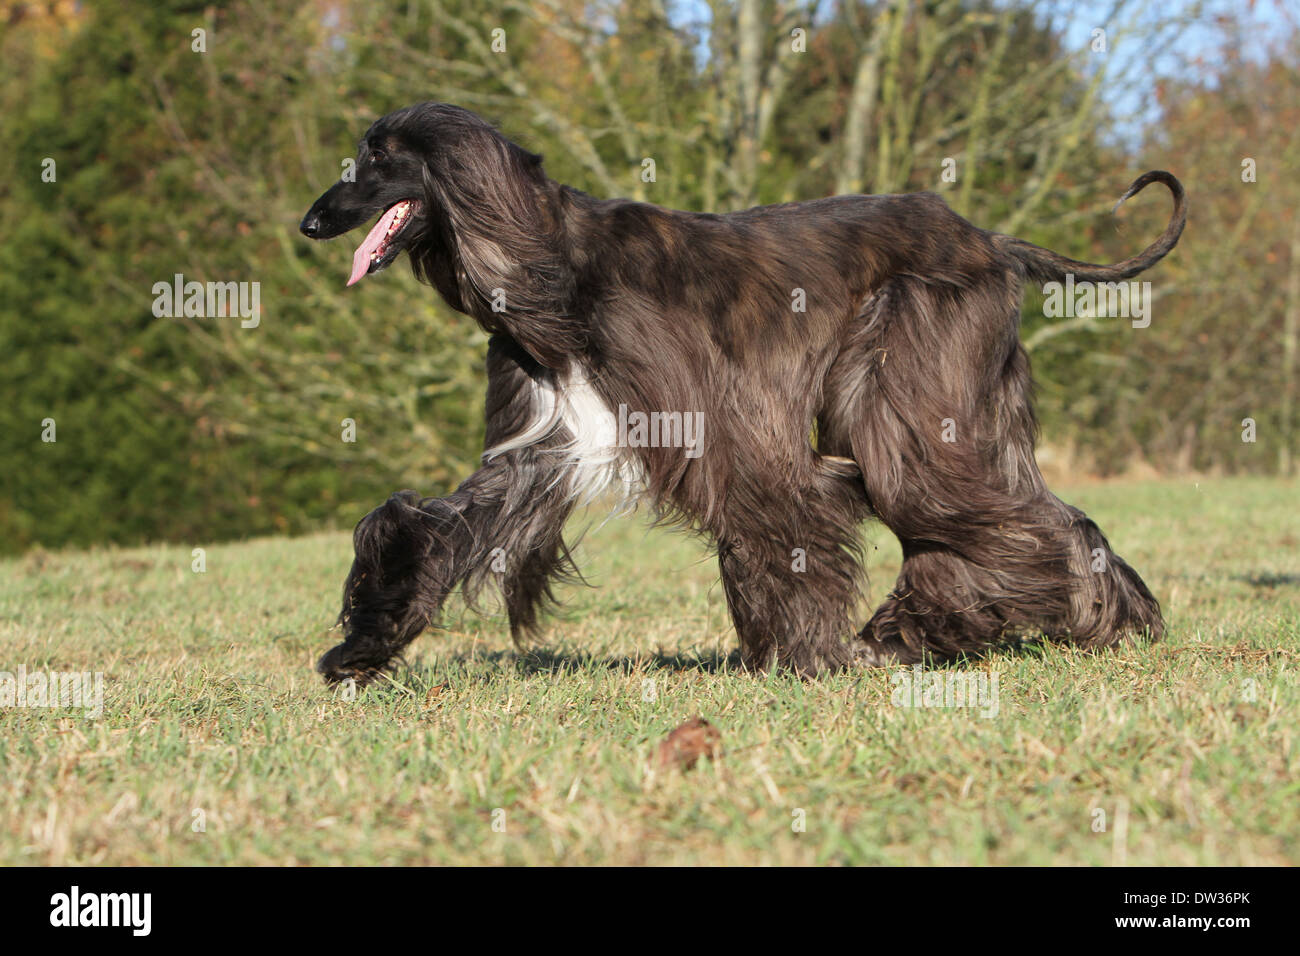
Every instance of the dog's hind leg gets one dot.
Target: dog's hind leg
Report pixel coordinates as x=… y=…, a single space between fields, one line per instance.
x=932 y=398
x=502 y=526
x=968 y=582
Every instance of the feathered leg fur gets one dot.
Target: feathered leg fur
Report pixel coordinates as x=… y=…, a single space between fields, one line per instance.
x=988 y=551
x=502 y=527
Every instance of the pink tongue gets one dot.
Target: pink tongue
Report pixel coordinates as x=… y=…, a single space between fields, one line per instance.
x=361 y=258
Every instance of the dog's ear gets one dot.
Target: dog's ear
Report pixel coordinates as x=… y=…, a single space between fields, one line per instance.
x=496 y=206
x=433 y=196
x=433 y=254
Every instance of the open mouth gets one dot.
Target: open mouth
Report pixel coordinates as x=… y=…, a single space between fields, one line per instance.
x=380 y=247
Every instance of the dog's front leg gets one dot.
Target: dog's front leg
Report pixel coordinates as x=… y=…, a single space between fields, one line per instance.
x=410 y=553
x=503 y=526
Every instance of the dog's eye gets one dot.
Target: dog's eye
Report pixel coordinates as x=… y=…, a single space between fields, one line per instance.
x=378 y=156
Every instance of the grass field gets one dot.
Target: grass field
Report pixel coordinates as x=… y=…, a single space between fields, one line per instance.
x=218 y=744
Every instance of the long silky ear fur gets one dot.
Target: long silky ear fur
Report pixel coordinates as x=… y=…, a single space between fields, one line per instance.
x=503 y=226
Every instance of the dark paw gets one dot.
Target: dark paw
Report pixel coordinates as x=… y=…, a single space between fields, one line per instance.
x=337 y=666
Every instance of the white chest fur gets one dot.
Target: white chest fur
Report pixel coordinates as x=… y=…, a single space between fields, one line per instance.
x=590 y=460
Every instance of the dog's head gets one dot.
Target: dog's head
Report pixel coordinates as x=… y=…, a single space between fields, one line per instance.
x=400 y=162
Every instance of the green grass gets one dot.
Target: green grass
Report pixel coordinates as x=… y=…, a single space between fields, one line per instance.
x=1189 y=746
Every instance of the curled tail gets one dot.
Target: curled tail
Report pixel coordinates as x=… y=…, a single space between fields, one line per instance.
x=1044 y=265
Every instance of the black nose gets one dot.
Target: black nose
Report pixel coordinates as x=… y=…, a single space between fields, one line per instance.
x=311 y=225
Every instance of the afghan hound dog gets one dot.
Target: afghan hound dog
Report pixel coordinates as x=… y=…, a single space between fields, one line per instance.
x=770 y=378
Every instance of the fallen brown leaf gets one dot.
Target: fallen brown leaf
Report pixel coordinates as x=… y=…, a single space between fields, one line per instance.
x=689 y=742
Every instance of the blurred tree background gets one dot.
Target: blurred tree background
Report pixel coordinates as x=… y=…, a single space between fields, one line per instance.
x=171 y=160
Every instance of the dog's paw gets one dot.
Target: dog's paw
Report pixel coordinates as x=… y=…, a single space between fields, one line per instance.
x=336 y=668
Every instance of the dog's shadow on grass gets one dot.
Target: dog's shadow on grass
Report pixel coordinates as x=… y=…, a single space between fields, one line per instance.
x=545 y=660
x=1268 y=580
x=570 y=663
